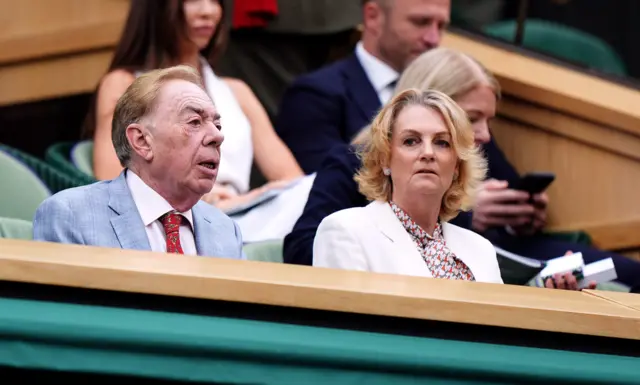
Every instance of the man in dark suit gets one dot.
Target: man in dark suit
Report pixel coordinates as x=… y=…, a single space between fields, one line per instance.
x=328 y=107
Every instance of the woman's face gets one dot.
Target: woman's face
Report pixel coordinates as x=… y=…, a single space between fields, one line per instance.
x=202 y=18
x=423 y=160
x=480 y=106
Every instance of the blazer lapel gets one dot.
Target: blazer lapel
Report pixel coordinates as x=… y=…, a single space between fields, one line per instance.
x=360 y=89
x=405 y=251
x=126 y=221
x=206 y=232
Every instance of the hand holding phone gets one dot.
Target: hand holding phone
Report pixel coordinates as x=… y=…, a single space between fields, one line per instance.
x=533 y=182
x=497 y=205
x=502 y=204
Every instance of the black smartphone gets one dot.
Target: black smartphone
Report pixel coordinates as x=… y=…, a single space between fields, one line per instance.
x=533 y=182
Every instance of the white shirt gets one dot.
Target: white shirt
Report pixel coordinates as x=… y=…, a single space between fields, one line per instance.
x=151 y=207
x=381 y=76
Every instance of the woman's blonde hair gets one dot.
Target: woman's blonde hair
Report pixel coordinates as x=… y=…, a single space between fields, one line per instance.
x=375 y=151
x=446 y=70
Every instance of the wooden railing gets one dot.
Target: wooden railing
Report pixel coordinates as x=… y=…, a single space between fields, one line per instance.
x=51 y=49
x=317 y=288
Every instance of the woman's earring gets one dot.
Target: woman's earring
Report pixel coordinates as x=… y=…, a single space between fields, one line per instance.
x=386 y=171
x=455 y=176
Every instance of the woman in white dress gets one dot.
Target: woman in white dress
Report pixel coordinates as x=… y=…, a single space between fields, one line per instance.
x=163 y=33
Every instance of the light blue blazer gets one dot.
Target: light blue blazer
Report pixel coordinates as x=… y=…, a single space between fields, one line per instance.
x=104 y=214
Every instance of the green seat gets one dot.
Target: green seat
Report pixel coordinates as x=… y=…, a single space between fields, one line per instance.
x=579 y=236
x=266 y=251
x=54 y=179
x=564 y=42
x=59 y=156
x=16 y=228
x=21 y=191
x=82 y=156
x=613 y=286
x=605 y=286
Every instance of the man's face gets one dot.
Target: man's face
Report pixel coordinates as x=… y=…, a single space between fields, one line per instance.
x=185 y=140
x=410 y=27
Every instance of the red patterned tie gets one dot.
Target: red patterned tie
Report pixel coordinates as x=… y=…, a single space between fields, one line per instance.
x=171 y=222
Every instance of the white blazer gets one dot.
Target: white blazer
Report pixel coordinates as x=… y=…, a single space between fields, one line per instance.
x=371 y=238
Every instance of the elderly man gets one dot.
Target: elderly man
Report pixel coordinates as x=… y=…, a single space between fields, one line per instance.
x=167 y=135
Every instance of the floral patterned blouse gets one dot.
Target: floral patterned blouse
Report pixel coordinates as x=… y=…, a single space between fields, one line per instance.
x=441 y=261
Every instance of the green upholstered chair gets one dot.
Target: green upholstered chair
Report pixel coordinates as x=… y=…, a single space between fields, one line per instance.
x=613 y=286
x=82 y=156
x=605 y=286
x=54 y=179
x=59 y=156
x=564 y=42
x=577 y=236
x=266 y=251
x=21 y=191
x=16 y=228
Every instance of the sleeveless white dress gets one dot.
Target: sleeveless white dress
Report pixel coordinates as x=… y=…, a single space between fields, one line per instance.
x=236 y=152
x=272 y=220
x=276 y=218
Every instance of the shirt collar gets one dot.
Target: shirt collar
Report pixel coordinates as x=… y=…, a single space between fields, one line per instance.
x=380 y=74
x=150 y=204
x=413 y=228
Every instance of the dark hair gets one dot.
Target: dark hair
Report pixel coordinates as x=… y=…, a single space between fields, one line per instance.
x=150 y=40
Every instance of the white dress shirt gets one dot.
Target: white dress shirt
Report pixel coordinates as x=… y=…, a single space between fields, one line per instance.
x=381 y=76
x=151 y=207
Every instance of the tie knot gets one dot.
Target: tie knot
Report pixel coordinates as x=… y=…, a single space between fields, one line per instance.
x=171 y=222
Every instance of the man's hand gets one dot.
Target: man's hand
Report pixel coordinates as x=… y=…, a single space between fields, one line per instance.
x=539 y=219
x=498 y=206
x=565 y=281
x=218 y=193
x=225 y=200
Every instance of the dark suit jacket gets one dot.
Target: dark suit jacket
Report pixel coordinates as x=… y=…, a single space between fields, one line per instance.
x=335 y=189
x=325 y=109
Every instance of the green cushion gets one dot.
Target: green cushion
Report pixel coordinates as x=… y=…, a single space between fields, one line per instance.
x=175 y=346
x=605 y=286
x=16 y=228
x=579 y=236
x=54 y=179
x=267 y=251
x=82 y=156
x=564 y=42
x=21 y=191
x=613 y=286
x=59 y=156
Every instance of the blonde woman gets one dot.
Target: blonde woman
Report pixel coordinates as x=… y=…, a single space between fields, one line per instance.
x=477 y=92
x=420 y=167
x=449 y=71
